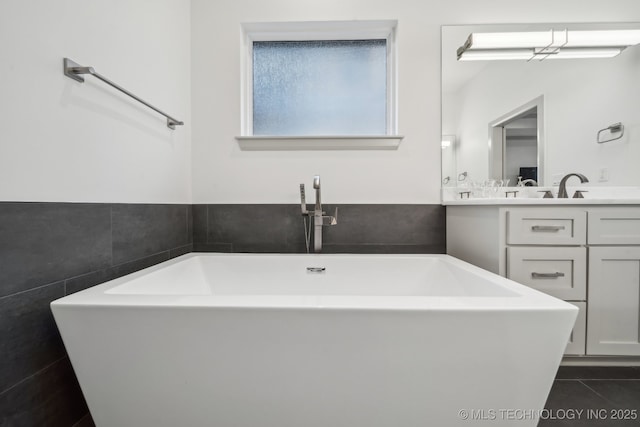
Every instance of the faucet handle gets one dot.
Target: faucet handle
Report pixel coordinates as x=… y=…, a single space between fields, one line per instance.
x=547 y=194
x=330 y=220
x=578 y=194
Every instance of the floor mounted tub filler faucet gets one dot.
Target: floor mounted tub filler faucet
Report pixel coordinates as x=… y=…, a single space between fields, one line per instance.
x=319 y=218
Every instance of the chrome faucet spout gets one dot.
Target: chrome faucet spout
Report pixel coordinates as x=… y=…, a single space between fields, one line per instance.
x=562 y=190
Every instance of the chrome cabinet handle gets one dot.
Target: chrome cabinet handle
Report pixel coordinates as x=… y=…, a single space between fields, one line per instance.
x=547 y=227
x=555 y=275
x=316 y=269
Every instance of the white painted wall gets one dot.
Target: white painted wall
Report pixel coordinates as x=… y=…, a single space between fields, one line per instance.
x=580 y=97
x=224 y=174
x=65 y=141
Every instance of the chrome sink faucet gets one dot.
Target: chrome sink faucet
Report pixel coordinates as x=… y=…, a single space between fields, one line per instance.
x=319 y=218
x=562 y=191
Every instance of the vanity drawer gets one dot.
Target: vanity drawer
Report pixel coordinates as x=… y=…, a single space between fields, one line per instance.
x=614 y=226
x=559 y=272
x=546 y=227
x=578 y=338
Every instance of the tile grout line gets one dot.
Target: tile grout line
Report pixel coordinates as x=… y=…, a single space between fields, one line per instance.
x=63 y=281
x=597 y=379
x=32 y=375
x=172 y=251
x=67 y=279
x=167 y=252
x=86 y=274
x=84 y=417
x=141 y=258
x=597 y=394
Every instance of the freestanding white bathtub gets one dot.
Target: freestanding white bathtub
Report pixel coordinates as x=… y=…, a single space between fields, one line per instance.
x=216 y=340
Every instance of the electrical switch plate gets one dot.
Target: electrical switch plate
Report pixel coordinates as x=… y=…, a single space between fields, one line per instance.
x=603 y=174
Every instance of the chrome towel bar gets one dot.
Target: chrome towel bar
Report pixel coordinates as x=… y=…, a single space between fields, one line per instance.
x=74 y=70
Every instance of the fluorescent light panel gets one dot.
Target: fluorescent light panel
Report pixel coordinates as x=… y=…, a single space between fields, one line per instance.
x=559 y=44
x=604 y=38
x=530 y=54
x=603 y=52
x=497 y=54
x=479 y=41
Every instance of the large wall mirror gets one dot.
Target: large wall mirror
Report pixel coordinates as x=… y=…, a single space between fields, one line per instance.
x=540 y=114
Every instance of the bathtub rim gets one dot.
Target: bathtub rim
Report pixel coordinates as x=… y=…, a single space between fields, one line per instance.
x=528 y=299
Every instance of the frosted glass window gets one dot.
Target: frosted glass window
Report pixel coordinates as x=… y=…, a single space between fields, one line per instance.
x=334 y=87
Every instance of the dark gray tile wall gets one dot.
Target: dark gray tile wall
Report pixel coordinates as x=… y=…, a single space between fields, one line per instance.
x=48 y=250
x=28 y=333
x=51 y=397
x=360 y=229
x=394 y=229
x=255 y=228
x=42 y=243
x=142 y=230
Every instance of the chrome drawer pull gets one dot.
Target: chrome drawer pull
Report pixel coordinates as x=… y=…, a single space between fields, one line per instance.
x=547 y=227
x=316 y=269
x=546 y=275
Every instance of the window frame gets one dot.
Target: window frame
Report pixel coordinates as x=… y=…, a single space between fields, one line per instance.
x=325 y=30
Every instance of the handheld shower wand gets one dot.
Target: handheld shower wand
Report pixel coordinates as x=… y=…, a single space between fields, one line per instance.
x=303 y=201
x=316 y=186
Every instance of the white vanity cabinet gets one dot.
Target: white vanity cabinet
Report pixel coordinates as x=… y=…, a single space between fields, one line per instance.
x=576 y=345
x=614 y=282
x=586 y=255
x=557 y=271
x=545 y=250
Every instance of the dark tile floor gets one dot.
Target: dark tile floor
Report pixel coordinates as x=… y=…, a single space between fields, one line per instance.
x=594 y=396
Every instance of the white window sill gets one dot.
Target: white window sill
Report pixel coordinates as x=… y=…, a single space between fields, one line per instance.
x=337 y=142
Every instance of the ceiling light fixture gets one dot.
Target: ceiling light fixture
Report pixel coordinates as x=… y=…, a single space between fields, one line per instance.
x=552 y=44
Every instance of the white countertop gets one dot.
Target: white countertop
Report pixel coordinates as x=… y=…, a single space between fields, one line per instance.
x=532 y=196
